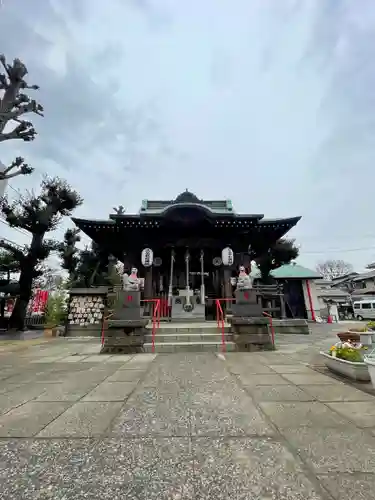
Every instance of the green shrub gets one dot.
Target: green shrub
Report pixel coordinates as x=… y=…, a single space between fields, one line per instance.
x=56 y=309
x=359 y=329
x=349 y=354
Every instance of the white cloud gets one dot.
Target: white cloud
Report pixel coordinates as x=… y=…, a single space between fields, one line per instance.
x=267 y=103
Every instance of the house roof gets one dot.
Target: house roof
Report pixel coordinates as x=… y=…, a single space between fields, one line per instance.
x=370 y=290
x=289 y=271
x=364 y=276
x=332 y=293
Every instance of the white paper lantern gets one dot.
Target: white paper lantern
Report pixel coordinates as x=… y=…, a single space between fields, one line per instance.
x=227 y=256
x=147 y=257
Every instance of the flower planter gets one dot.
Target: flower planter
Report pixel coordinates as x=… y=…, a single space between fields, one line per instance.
x=370 y=362
x=366 y=338
x=354 y=371
x=345 y=336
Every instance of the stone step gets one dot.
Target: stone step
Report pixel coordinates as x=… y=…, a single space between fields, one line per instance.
x=202 y=337
x=164 y=330
x=171 y=347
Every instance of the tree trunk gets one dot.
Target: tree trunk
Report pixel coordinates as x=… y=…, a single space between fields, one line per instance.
x=17 y=319
x=28 y=264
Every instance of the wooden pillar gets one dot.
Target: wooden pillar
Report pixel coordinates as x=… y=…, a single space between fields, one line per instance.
x=227 y=289
x=148 y=289
x=282 y=300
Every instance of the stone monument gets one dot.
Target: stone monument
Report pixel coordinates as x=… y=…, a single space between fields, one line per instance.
x=249 y=326
x=124 y=332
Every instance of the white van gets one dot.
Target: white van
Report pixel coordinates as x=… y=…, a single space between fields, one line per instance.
x=364 y=309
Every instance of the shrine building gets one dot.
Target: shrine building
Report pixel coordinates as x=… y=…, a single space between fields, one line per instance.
x=187 y=236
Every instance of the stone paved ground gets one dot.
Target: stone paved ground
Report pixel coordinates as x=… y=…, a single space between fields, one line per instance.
x=260 y=426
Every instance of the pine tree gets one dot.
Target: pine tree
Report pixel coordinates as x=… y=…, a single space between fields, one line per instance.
x=38 y=215
x=281 y=253
x=8 y=264
x=86 y=268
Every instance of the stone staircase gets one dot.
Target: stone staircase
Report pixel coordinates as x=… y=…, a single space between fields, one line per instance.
x=189 y=337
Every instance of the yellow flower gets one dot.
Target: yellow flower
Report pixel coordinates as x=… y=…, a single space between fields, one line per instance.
x=333 y=348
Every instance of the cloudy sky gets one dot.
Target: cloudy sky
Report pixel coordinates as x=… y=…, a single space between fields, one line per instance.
x=270 y=103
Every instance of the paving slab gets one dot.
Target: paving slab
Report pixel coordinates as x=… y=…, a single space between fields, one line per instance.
x=295 y=368
x=313 y=378
x=73 y=359
x=243 y=420
x=127 y=376
x=149 y=469
x=169 y=418
x=336 y=392
x=302 y=414
x=30 y=418
x=361 y=413
x=119 y=358
x=249 y=469
x=262 y=379
x=111 y=391
x=83 y=420
x=41 y=469
x=242 y=369
x=349 y=486
x=48 y=359
x=328 y=449
x=66 y=391
x=19 y=395
x=279 y=393
x=96 y=358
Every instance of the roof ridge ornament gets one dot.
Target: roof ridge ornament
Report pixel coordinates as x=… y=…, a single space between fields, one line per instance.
x=120 y=210
x=187 y=197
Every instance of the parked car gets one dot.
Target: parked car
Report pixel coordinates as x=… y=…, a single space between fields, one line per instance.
x=364 y=309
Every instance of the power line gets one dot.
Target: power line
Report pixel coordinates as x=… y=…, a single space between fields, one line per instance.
x=22 y=231
x=339 y=250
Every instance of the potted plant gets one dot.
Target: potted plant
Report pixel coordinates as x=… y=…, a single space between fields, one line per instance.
x=371 y=327
x=347 y=359
x=349 y=336
x=55 y=314
x=365 y=334
x=370 y=362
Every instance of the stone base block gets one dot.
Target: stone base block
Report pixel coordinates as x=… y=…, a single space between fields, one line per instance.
x=127 y=339
x=251 y=334
x=291 y=326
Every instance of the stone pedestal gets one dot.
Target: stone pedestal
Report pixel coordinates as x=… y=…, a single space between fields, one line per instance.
x=187 y=310
x=246 y=304
x=250 y=329
x=251 y=334
x=125 y=328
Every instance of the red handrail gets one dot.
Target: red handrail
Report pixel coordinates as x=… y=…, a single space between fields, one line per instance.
x=220 y=322
x=103 y=322
x=271 y=328
x=220 y=319
x=156 y=313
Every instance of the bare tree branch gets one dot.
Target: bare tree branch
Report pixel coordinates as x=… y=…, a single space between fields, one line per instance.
x=334 y=268
x=14 y=103
x=20 y=168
